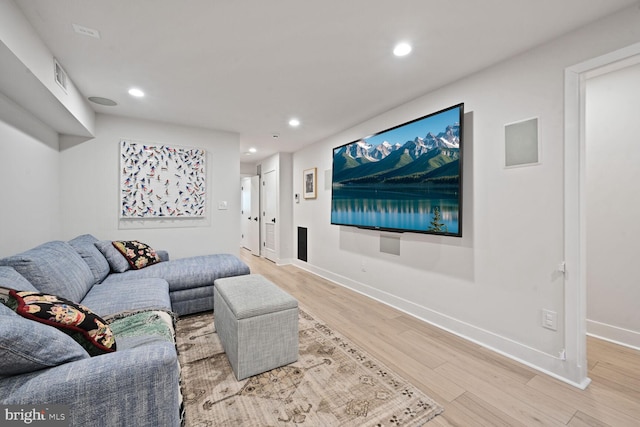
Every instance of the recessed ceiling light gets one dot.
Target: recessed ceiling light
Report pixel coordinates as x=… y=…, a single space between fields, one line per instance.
x=294 y=123
x=402 y=49
x=252 y=150
x=136 y=92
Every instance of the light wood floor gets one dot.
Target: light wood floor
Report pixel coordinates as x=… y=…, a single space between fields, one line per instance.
x=476 y=386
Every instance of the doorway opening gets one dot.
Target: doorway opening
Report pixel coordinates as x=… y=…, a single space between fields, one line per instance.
x=575 y=207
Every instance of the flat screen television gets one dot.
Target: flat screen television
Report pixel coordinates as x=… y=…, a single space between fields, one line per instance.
x=404 y=179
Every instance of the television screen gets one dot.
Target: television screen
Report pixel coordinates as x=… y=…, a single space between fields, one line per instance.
x=407 y=178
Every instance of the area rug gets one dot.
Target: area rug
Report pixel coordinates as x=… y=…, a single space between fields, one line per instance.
x=333 y=383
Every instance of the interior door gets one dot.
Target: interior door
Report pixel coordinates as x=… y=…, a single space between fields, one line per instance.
x=269 y=219
x=250 y=214
x=253 y=228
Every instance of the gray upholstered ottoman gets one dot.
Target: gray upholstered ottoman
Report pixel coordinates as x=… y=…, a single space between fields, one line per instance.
x=257 y=323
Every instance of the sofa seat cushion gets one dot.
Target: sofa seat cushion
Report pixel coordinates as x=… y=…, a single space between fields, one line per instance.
x=86 y=248
x=142 y=328
x=187 y=273
x=54 y=268
x=131 y=295
x=27 y=346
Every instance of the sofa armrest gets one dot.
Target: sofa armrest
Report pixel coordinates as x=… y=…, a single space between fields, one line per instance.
x=138 y=386
x=164 y=255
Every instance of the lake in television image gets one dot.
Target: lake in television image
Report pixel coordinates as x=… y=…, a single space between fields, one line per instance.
x=407 y=178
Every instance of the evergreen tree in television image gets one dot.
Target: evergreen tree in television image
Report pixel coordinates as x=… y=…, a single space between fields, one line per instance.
x=436 y=223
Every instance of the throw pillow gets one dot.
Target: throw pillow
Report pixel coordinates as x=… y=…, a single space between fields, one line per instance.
x=10 y=278
x=27 y=346
x=139 y=255
x=117 y=262
x=84 y=326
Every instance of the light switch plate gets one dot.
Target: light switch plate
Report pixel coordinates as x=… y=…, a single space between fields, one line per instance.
x=550 y=320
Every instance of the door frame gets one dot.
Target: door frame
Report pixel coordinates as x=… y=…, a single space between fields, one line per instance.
x=575 y=283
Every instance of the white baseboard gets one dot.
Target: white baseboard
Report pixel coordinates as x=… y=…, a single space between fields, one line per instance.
x=552 y=365
x=614 y=334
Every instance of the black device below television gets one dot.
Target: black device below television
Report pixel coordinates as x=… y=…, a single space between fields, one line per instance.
x=404 y=179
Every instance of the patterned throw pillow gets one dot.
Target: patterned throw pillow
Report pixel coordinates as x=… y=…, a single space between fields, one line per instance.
x=139 y=255
x=84 y=326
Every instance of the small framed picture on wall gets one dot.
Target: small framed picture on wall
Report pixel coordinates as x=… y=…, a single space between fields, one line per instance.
x=309 y=183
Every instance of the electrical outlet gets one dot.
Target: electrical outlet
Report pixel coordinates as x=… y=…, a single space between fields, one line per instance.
x=550 y=320
x=363 y=266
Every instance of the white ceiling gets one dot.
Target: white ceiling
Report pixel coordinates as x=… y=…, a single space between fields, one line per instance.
x=248 y=66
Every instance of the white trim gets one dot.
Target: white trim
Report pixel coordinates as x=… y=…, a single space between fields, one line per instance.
x=613 y=341
x=505 y=346
x=614 y=334
x=283 y=261
x=574 y=204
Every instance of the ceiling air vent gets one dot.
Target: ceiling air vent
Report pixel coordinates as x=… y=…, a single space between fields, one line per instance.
x=86 y=31
x=59 y=75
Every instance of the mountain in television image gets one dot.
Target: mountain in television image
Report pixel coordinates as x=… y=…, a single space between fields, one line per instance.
x=407 y=178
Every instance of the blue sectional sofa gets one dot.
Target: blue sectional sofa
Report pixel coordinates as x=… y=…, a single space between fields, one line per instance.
x=138 y=384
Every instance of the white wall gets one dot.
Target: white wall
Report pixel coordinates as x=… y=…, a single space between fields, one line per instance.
x=613 y=205
x=248 y=169
x=33 y=111
x=30 y=177
x=67 y=111
x=491 y=284
x=90 y=188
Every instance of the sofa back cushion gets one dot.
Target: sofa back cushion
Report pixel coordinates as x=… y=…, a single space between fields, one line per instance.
x=10 y=278
x=86 y=248
x=54 y=268
x=116 y=260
